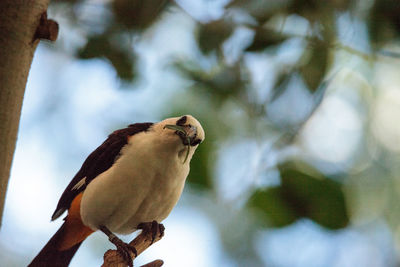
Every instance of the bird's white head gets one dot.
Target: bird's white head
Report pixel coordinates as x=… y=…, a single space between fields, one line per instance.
x=183 y=133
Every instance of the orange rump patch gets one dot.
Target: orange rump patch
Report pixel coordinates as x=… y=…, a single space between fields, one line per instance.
x=74 y=230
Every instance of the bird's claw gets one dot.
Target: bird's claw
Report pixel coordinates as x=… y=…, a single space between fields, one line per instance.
x=124 y=249
x=154 y=228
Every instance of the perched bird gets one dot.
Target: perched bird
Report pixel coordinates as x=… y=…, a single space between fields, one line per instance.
x=134 y=178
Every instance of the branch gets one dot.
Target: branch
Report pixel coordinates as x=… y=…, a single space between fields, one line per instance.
x=47 y=29
x=112 y=258
x=156 y=263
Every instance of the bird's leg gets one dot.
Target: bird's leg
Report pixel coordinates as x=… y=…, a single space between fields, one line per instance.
x=154 y=228
x=123 y=248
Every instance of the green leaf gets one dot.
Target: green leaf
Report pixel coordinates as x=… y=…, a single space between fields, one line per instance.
x=261 y=10
x=200 y=168
x=99 y=46
x=226 y=81
x=304 y=192
x=213 y=34
x=306 y=8
x=95 y=47
x=274 y=210
x=384 y=21
x=264 y=38
x=315 y=64
x=122 y=63
x=221 y=82
x=137 y=14
x=314 y=195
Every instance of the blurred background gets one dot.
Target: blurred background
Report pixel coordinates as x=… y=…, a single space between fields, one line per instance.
x=300 y=101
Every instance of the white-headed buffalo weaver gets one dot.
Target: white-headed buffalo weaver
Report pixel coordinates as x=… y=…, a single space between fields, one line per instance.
x=132 y=180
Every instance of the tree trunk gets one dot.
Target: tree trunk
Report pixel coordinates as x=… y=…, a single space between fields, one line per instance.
x=19 y=20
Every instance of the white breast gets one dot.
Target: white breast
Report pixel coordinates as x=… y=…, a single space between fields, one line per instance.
x=143 y=185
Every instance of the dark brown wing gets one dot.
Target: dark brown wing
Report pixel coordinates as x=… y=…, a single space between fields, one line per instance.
x=97 y=162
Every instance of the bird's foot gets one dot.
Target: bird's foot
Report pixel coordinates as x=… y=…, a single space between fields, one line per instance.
x=154 y=228
x=123 y=248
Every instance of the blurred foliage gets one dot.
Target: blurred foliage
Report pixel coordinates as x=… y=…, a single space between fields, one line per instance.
x=137 y=14
x=315 y=64
x=384 y=22
x=212 y=35
x=115 y=41
x=220 y=83
x=264 y=38
x=302 y=194
x=224 y=83
x=101 y=47
x=262 y=11
x=200 y=169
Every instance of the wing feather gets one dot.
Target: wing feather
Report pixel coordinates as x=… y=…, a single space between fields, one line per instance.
x=97 y=162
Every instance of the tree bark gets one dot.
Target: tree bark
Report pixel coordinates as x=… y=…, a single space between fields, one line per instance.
x=19 y=20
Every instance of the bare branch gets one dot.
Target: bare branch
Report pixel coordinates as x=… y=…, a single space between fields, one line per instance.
x=156 y=263
x=112 y=258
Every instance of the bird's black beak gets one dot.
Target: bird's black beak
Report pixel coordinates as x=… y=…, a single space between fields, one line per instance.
x=187 y=133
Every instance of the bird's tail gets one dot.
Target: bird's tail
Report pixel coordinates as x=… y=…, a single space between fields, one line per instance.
x=65 y=242
x=51 y=255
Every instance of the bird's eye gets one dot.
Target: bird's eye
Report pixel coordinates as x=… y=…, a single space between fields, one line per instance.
x=181 y=121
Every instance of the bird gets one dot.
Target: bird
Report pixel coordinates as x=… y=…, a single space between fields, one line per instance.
x=130 y=182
